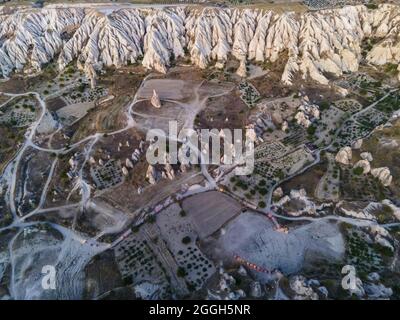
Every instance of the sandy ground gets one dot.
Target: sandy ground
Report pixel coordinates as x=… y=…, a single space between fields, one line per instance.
x=76 y=111
x=168 y=89
x=128 y=200
x=174 y=228
x=209 y=211
x=252 y=237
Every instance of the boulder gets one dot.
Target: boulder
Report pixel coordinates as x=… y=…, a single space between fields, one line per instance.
x=366 y=156
x=302 y=119
x=344 y=155
x=255 y=289
x=278 y=193
x=128 y=163
x=155 y=100
x=151 y=174
x=383 y=174
x=285 y=126
x=357 y=144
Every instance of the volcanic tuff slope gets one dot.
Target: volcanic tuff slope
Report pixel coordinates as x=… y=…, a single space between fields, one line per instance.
x=316 y=43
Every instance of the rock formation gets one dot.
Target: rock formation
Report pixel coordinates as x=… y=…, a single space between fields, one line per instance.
x=242 y=71
x=357 y=144
x=151 y=174
x=394 y=208
x=344 y=155
x=128 y=163
x=302 y=119
x=306 y=114
x=155 y=100
x=285 y=126
x=278 y=193
x=316 y=43
x=255 y=289
x=364 y=164
x=302 y=289
x=366 y=156
x=356 y=210
x=383 y=174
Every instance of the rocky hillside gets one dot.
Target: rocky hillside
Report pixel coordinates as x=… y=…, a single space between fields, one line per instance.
x=316 y=43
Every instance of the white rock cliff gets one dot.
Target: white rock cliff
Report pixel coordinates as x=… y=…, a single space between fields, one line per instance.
x=314 y=43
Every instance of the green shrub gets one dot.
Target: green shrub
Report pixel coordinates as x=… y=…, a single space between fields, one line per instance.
x=186 y=240
x=358 y=171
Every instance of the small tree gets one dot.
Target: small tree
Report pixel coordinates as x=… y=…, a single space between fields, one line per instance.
x=181 y=272
x=186 y=240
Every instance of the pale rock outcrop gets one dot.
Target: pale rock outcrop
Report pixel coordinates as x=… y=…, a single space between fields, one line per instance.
x=242 y=271
x=147 y=290
x=381 y=236
x=224 y=289
x=357 y=144
x=383 y=242
x=135 y=155
x=299 y=204
x=151 y=174
x=366 y=156
x=91 y=75
x=378 y=230
x=169 y=171
x=302 y=119
x=128 y=163
x=278 y=193
x=183 y=167
x=285 y=126
x=155 y=100
x=276 y=117
x=312 y=44
x=359 y=290
x=388 y=143
x=353 y=210
x=306 y=114
x=344 y=156
x=282 y=201
x=395 y=209
x=255 y=289
x=72 y=162
x=243 y=32
x=302 y=289
x=363 y=164
x=373 y=276
x=324 y=291
x=164 y=38
x=312 y=110
x=383 y=174
x=242 y=71
x=377 y=291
